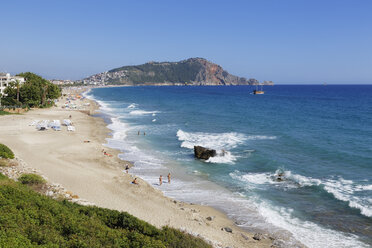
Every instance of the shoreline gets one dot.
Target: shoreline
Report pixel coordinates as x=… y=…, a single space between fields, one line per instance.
x=80 y=167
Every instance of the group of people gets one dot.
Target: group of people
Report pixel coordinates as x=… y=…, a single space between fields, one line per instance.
x=160 y=178
x=144 y=133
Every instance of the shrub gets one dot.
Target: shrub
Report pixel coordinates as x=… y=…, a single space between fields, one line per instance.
x=2 y=112
x=29 y=219
x=5 y=152
x=31 y=179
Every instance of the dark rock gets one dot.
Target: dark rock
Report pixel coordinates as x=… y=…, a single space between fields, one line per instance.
x=210 y=218
x=244 y=236
x=204 y=153
x=228 y=229
x=257 y=236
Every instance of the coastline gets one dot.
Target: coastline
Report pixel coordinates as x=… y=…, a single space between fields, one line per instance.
x=64 y=158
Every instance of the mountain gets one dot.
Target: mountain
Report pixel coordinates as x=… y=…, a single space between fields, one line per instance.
x=193 y=71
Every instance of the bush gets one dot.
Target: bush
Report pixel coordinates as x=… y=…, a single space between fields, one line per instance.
x=2 y=112
x=29 y=219
x=5 y=152
x=31 y=179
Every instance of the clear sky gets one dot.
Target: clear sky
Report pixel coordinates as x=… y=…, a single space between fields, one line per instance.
x=299 y=41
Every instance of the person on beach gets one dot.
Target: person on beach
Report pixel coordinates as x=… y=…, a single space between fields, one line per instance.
x=126 y=169
x=138 y=133
x=135 y=181
x=160 y=180
x=144 y=133
x=169 y=177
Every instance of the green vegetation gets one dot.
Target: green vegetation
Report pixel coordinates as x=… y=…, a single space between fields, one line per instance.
x=31 y=179
x=29 y=219
x=35 y=92
x=4 y=113
x=180 y=72
x=5 y=152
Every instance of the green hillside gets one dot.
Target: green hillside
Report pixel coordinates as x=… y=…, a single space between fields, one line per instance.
x=181 y=72
x=192 y=71
x=29 y=219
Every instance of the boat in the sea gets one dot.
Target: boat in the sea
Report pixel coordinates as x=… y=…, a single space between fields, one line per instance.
x=257 y=91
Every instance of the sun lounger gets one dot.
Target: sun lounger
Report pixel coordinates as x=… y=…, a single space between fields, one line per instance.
x=67 y=122
x=71 y=128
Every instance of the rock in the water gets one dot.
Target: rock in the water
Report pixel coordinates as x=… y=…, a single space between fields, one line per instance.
x=204 y=153
x=228 y=229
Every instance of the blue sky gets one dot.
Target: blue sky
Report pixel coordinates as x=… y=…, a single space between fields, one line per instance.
x=299 y=41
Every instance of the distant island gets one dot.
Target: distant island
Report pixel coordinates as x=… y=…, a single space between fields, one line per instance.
x=192 y=71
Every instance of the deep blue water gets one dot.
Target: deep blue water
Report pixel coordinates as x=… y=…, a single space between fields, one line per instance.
x=318 y=137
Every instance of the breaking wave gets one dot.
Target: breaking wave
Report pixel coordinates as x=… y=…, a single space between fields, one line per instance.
x=344 y=190
x=143 y=112
x=132 y=106
x=221 y=142
x=340 y=188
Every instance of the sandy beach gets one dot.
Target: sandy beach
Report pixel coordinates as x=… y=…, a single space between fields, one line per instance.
x=76 y=160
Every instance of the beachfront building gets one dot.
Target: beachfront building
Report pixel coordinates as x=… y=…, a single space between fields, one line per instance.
x=6 y=79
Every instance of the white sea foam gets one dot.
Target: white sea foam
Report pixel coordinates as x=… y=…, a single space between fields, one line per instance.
x=132 y=106
x=363 y=187
x=301 y=180
x=119 y=129
x=223 y=158
x=340 y=188
x=344 y=190
x=260 y=137
x=153 y=120
x=105 y=107
x=218 y=141
x=308 y=233
x=210 y=140
x=143 y=112
x=289 y=180
x=252 y=179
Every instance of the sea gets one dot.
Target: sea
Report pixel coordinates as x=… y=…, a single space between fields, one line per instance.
x=295 y=162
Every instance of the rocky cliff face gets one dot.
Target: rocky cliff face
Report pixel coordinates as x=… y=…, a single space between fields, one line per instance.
x=193 y=71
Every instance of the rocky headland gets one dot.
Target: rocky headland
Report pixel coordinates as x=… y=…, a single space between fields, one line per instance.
x=192 y=71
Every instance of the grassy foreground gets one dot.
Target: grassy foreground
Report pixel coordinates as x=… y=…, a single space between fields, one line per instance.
x=29 y=219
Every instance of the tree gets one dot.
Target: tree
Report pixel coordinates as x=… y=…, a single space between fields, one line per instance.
x=37 y=90
x=10 y=94
x=54 y=91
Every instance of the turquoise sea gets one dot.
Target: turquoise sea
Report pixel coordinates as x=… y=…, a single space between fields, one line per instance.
x=318 y=137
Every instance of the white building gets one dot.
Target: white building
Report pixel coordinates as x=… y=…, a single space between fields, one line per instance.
x=6 y=79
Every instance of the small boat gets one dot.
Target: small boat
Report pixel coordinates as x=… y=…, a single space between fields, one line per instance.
x=257 y=91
